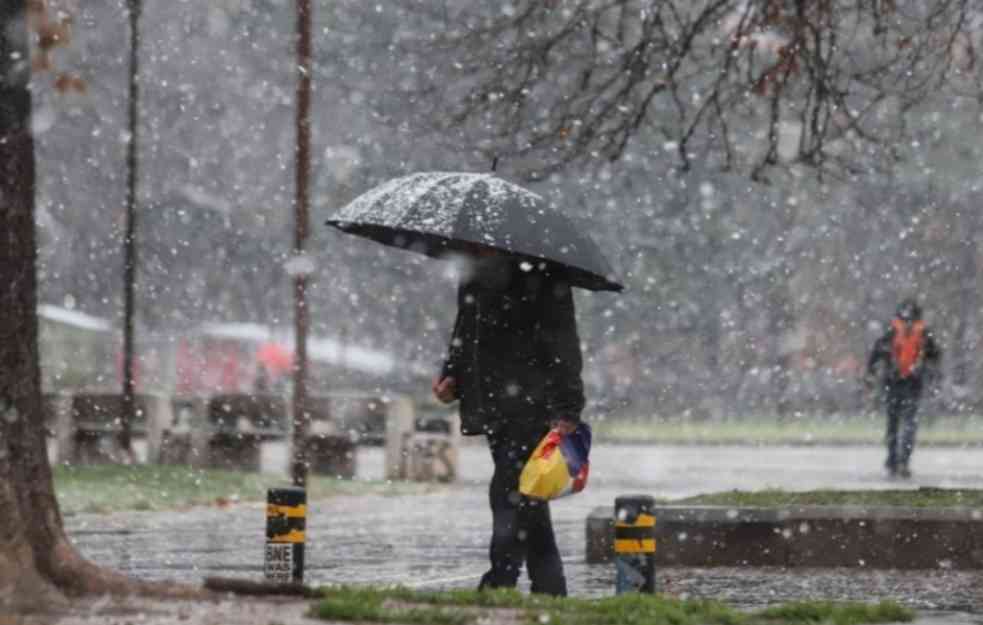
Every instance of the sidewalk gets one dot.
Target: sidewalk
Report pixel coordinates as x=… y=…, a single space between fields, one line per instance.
x=440 y=540
x=806 y=432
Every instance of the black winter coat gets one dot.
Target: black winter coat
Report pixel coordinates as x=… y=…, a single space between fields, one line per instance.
x=515 y=352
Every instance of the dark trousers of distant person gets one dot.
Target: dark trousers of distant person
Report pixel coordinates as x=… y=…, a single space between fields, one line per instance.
x=902 y=424
x=522 y=529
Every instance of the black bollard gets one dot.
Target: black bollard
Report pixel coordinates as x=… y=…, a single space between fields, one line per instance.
x=286 y=523
x=634 y=544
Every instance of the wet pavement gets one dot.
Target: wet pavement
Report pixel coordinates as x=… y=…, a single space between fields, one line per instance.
x=440 y=539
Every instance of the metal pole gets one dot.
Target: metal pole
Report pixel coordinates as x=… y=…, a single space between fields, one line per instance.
x=129 y=240
x=302 y=176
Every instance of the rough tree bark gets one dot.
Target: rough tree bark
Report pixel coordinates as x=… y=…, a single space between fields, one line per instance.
x=38 y=564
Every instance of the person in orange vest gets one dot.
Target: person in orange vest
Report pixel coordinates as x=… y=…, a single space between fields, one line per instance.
x=908 y=357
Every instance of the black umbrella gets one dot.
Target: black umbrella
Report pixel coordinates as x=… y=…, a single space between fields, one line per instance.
x=439 y=212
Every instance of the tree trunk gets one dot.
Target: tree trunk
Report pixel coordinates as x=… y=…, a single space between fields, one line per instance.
x=38 y=564
x=29 y=520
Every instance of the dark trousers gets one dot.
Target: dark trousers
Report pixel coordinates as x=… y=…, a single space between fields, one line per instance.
x=902 y=423
x=521 y=528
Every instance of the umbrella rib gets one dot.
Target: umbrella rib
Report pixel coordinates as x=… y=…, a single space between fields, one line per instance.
x=431 y=195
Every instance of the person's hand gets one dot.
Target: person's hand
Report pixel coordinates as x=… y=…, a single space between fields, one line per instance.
x=565 y=426
x=444 y=389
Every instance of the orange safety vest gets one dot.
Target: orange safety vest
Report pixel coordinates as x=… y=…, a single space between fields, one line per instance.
x=907 y=345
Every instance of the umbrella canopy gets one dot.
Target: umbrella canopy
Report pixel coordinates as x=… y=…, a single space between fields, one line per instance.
x=439 y=212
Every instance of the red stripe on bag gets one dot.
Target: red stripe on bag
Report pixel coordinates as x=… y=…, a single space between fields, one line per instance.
x=552 y=442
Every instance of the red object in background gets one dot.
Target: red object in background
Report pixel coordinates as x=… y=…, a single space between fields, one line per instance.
x=227 y=363
x=189 y=366
x=213 y=366
x=136 y=370
x=277 y=359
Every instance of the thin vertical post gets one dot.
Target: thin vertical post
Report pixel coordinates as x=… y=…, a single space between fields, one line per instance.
x=129 y=240
x=301 y=419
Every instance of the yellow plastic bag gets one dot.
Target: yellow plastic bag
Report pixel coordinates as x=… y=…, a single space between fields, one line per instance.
x=558 y=466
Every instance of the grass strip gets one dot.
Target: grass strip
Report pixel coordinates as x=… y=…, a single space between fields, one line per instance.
x=114 y=488
x=944 y=431
x=924 y=497
x=401 y=605
x=365 y=606
x=837 y=613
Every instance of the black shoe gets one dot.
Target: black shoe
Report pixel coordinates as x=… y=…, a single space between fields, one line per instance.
x=488 y=582
x=555 y=588
x=892 y=469
x=904 y=471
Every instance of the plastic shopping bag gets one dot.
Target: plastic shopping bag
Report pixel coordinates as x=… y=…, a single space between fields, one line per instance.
x=559 y=465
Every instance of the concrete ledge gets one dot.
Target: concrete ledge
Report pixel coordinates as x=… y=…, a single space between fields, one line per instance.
x=888 y=537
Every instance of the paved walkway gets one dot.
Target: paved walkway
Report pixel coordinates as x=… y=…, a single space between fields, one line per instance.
x=440 y=539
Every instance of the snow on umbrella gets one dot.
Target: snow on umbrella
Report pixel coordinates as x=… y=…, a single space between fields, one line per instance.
x=435 y=213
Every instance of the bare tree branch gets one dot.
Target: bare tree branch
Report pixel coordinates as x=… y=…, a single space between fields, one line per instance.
x=550 y=83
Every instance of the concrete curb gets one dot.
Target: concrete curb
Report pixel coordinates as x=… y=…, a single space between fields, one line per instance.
x=670 y=442
x=888 y=537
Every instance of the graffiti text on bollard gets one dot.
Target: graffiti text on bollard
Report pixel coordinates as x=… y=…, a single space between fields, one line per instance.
x=286 y=522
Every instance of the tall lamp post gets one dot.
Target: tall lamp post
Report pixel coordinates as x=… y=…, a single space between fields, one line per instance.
x=300 y=265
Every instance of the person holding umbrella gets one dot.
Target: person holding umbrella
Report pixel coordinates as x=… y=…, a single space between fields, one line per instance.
x=514 y=364
x=514 y=360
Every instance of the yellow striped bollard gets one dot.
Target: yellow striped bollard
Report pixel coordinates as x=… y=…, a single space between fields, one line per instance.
x=634 y=543
x=286 y=523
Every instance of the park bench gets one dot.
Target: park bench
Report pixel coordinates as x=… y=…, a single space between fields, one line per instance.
x=341 y=420
x=330 y=444
x=95 y=422
x=236 y=425
x=181 y=442
x=422 y=445
x=359 y=414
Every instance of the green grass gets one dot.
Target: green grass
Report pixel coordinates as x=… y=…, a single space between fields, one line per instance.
x=113 y=488
x=944 y=431
x=837 y=613
x=919 y=498
x=462 y=607
x=361 y=605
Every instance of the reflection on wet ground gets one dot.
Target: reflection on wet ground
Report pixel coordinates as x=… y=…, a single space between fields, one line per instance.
x=440 y=539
